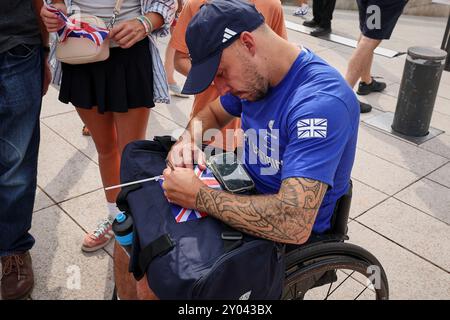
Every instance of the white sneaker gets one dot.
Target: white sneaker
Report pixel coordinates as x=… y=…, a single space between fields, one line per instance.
x=301 y=11
x=175 y=90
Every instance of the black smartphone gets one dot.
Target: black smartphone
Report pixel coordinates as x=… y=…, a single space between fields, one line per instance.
x=231 y=174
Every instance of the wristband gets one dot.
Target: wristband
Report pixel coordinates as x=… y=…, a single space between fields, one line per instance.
x=144 y=23
x=150 y=24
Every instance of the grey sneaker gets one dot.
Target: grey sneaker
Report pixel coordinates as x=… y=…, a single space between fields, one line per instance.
x=99 y=238
x=176 y=91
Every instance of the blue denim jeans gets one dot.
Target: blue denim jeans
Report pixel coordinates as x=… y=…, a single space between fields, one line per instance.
x=20 y=106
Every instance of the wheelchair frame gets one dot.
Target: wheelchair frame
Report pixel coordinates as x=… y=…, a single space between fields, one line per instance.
x=311 y=265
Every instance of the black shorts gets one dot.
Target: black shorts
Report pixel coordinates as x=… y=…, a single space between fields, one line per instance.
x=122 y=82
x=382 y=27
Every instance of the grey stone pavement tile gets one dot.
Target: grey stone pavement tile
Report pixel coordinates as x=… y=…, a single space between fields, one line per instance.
x=337 y=58
x=68 y=126
x=444 y=90
x=397 y=151
x=388 y=70
x=51 y=105
x=442 y=105
x=314 y=44
x=430 y=197
x=380 y=101
x=445 y=78
x=159 y=125
x=412 y=229
x=409 y=276
x=366 y=116
x=381 y=174
x=442 y=175
x=87 y=210
x=63 y=171
x=441 y=121
x=439 y=145
x=61 y=270
x=393 y=89
x=178 y=110
x=364 y=197
x=42 y=200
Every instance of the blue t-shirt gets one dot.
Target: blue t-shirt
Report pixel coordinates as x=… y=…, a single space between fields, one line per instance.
x=305 y=127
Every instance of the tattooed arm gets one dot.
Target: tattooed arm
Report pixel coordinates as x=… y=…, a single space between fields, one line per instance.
x=286 y=217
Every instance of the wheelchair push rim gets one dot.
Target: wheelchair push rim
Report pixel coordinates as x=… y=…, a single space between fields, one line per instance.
x=334 y=271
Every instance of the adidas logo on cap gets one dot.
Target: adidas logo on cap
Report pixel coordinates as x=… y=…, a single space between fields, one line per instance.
x=228 y=34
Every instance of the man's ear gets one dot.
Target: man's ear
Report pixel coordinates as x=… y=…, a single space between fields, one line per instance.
x=248 y=41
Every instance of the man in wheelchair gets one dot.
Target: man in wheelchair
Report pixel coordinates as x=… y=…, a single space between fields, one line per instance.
x=299 y=117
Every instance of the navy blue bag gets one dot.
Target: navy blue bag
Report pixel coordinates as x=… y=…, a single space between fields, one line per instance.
x=196 y=259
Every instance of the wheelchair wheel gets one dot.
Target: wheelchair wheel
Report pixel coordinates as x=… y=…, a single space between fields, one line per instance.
x=334 y=270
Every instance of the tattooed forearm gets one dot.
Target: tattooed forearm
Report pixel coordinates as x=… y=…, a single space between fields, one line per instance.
x=284 y=217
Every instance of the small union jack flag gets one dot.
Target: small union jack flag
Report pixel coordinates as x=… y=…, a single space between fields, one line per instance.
x=312 y=128
x=78 y=29
x=183 y=214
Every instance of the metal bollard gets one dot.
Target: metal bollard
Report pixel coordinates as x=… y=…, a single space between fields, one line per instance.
x=418 y=91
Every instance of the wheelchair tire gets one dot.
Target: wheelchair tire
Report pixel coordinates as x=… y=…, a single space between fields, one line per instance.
x=315 y=265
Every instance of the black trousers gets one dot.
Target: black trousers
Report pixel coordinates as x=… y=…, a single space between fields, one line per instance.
x=323 y=12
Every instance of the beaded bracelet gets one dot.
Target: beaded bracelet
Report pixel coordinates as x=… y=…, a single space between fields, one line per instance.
x=150 y=24
x=144 y=23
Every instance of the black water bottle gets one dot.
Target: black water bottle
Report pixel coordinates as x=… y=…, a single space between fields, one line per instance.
x=123 y=230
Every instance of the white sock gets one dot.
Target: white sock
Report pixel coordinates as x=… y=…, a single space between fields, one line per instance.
x=113 y=211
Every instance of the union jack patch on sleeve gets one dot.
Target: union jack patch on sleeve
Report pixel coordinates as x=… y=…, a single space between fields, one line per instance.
x=312 y=128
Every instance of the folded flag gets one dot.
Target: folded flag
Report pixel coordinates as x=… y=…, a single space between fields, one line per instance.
x=77 y=29
x=183 y=214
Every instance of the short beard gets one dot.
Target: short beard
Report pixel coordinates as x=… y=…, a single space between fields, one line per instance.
x=258 y=85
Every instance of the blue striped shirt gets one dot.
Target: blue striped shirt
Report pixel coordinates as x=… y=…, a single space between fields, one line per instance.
x=166 y=8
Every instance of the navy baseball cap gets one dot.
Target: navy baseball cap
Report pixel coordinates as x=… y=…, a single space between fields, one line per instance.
x=215 y=27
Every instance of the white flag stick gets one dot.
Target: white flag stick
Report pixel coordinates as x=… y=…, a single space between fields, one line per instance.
x=156 y=178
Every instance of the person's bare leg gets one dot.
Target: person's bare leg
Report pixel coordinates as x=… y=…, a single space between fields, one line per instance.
x=143 y=290
x=124 y=280
x=361 y=60
x=103 y=132
x=130 y=126
x=366 y=75
x=127 y=287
